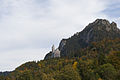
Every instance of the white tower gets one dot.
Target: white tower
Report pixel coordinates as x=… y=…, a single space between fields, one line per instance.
x=56 y=53
x=53 y=49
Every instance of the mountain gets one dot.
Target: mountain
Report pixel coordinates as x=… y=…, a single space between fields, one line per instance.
x=92 y=54
x=98 y=30
x=100 y=61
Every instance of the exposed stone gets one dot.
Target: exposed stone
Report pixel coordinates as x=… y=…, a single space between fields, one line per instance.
x=114 y=26
x=103 y=24
x=88 y=36
x=62 y=44
x=98 y=30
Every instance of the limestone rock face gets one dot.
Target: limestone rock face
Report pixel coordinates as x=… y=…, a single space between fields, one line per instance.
x=99 y=29
x=62 y=44
x=96 y=31
x=103 y=24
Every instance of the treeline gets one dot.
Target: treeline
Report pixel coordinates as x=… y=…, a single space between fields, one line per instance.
x=5 y=73
x=99 y=61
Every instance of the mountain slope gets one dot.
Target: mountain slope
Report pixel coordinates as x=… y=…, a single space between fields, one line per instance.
x=92 y=54
x=98 y=30
x=100 y=61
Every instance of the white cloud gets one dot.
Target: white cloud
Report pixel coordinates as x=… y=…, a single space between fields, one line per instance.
x=29 y=26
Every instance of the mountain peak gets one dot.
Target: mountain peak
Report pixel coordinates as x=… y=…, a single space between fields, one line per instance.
x=102 y=24
x=102 y=21
x=96 y=31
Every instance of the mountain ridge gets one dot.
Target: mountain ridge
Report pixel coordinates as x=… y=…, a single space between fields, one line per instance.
x=92 y=54
x=96 y=31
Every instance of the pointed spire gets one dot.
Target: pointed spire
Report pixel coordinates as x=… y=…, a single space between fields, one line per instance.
x=53 y=48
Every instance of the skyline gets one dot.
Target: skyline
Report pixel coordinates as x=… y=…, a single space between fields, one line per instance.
x=30 y=27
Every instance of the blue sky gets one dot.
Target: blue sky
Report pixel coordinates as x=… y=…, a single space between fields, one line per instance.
x=28 y=28
x=113 y=9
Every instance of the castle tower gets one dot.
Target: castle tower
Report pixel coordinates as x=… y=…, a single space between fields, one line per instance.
x=53 y=49
x=57 y=53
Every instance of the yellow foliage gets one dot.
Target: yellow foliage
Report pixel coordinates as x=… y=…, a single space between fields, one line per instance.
x=75 y=65
x=40 y=65
x=99 y=79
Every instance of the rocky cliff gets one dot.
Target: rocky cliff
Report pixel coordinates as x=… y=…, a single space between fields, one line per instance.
x=96 y=31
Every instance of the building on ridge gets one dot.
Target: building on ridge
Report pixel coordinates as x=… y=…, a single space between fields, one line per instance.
x=55 y=52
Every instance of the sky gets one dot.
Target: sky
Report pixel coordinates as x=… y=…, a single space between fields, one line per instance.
x=28 y=28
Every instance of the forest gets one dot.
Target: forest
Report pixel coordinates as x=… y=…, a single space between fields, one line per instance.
x=99 y=61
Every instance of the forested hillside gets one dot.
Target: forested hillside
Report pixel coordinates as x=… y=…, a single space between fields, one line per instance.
x=100 y=61
x=92 y=54
x=96 y=31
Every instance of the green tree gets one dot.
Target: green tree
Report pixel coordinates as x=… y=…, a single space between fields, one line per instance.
x=107 y=72
x=68 y=73
x=86 y=70
x=25 y=76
